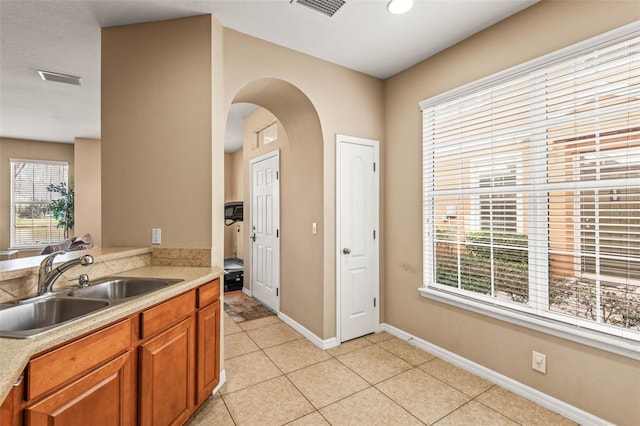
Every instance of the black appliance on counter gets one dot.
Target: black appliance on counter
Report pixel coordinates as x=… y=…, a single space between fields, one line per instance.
x=233 y=274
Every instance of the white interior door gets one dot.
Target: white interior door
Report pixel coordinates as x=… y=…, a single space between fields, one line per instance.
x=265 y=229
x=357 y=236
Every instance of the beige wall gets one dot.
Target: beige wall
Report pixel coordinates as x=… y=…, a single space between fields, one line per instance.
x=314 y=100
x=31 y=150
x=595 y=381
x=157 y=130
x=88 y=189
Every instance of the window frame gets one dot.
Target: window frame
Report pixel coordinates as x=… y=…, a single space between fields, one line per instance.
x=621 y=341
x=12 y=206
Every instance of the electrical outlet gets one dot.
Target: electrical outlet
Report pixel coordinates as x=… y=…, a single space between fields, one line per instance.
x=156 y=236
x=539 y=362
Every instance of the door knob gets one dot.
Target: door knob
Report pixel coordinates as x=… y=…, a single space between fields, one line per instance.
x=346 y=251
x=253 y=237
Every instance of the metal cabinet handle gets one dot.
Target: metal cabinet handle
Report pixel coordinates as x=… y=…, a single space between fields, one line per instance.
x=346 y=251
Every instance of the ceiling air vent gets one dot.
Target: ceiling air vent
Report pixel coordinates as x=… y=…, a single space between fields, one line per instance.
x=60 y=78
x=326 y=7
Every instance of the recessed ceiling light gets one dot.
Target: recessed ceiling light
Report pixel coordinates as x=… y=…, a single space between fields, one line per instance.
x=398 y=7
x=60 y=78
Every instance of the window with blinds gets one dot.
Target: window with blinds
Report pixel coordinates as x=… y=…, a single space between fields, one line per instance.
x=32 y=225
x=541 y=167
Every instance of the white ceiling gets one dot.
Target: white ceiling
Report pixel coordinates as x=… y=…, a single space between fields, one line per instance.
x=64 y=37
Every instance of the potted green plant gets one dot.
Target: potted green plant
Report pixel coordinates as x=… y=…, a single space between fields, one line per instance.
x=62 y=208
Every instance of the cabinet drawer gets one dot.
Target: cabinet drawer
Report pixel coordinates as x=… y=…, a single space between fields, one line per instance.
x=209 y=293
x=102 y=397
x=60 y=365
x=165 y=314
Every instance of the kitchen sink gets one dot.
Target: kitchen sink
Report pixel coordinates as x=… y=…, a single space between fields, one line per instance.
x=33 y=316
x=122 y=287
x=30 y=318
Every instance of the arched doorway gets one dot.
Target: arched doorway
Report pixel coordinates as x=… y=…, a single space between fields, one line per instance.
x=301 y=205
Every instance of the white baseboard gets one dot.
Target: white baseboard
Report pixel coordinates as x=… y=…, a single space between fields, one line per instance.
x=567 y=410
x=247 y=291
x=223 y=379
x=320 y=343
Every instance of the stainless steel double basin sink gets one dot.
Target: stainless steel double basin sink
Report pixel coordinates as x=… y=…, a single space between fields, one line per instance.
x=36 y=315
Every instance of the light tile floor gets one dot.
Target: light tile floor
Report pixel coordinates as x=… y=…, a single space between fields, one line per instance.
x=276 y=377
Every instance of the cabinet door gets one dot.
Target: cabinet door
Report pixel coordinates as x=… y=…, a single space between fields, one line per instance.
x=11 y=409
x=104 y=396
x=167 y=373
x=208 y=350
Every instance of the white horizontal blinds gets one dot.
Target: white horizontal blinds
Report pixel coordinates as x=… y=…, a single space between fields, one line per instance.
x=594 y=149
x=480 y=144
x=532 y=188
x=32 y=224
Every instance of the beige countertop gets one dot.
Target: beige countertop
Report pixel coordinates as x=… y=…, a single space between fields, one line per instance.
x=15 y=353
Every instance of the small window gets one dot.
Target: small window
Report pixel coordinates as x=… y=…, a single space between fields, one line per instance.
x=268 y=134
x=32 y=225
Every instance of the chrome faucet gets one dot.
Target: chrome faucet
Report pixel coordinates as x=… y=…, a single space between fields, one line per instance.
x=48 y=274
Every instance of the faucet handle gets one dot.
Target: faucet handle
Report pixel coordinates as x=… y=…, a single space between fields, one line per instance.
x=47 y=265
x=47 y=262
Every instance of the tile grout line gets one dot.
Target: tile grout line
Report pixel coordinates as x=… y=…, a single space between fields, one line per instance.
x=471 y=398
x=373 y=385
x=315 y=409
x=370 y=385
x=491 y=408
x=413 y=366
x=300 y=391
x=283 y=374
x=226 y=407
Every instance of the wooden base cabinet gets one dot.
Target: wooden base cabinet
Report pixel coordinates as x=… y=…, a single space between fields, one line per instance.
x=154 y=367
x=104 y=396
x=166 y=367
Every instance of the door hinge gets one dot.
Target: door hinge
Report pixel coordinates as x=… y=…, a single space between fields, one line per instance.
x=277 y=233
x=374 y=234
x=374 y=166
x=277 y=292
x=374 y=302
x=277 y=175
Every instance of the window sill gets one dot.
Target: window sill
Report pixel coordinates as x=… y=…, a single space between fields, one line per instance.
x=614 y=344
